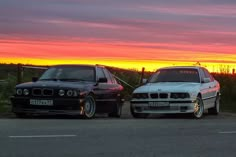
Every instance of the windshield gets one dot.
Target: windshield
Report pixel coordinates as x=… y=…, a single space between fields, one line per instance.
x=70 y=73
x=175 y=75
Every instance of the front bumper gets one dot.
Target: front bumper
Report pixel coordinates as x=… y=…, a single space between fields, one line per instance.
x=70 y=106
x=170 y=107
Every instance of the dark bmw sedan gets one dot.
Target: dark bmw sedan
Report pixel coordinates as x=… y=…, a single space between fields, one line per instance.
x=70 y=89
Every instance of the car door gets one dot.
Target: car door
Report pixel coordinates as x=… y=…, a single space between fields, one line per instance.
x=112 y=85
x=213 y=89
x=106 y=92
x=206 y=89
x=101 y=90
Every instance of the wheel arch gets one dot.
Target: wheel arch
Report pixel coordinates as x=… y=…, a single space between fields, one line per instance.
x=91 y=93
x=199 y=95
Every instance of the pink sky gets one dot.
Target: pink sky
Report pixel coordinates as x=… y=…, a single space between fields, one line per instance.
x=150 y=30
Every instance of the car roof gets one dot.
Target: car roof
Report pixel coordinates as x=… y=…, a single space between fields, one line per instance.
x=182 y=67
x=79 y=65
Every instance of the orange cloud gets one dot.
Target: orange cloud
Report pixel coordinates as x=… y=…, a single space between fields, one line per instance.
x=124 y=55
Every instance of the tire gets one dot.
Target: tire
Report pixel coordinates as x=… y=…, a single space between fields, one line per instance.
x=198 y=108
x=117 y=110
x=89 y=107
x=216 y=109
x=138 y=115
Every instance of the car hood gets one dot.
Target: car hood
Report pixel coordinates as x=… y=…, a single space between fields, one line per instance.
x=168 y=87
x=56 y=84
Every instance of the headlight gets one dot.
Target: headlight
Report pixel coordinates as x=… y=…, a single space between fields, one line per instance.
x=61 y=92
x=69 y=93
x=19 y=91
x=26 y=92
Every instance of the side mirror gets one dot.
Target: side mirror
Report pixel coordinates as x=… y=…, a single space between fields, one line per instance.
x=34 y=79
x=144 y=81
x=206 y=80
x=102 y=80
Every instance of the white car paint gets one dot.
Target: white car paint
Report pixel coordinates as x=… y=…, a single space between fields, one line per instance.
x=168 y=87
x=207 y=90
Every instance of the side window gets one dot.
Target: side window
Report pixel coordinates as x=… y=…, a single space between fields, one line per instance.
x=108 y=76
x=100 y=73
x=202 y=74
x=113 y=79
x=208 y=75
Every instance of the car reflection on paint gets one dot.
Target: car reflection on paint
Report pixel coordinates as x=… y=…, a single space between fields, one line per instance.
x=70 y=89
x=177 y=90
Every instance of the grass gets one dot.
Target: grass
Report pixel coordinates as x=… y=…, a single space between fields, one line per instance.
x=230 y=107
x=5 y=108
x=228 y=91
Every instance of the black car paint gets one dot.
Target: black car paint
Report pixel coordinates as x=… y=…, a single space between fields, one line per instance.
x=106 y=96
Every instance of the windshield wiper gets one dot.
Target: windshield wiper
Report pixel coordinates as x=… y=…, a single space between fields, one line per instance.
x=72 y=79
x=49 y=79
x=64 y=79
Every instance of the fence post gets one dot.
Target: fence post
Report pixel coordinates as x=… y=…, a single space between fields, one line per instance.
x=19 y=69
x=142 y=75
x=233 y=71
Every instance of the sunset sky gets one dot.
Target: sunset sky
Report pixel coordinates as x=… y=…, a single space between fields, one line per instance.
x=122 y=33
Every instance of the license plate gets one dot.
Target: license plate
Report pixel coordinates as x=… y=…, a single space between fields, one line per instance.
x=158 y=104
x=41 y=102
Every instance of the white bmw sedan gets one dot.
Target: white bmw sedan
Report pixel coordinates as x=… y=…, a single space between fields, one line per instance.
x=186 y=89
